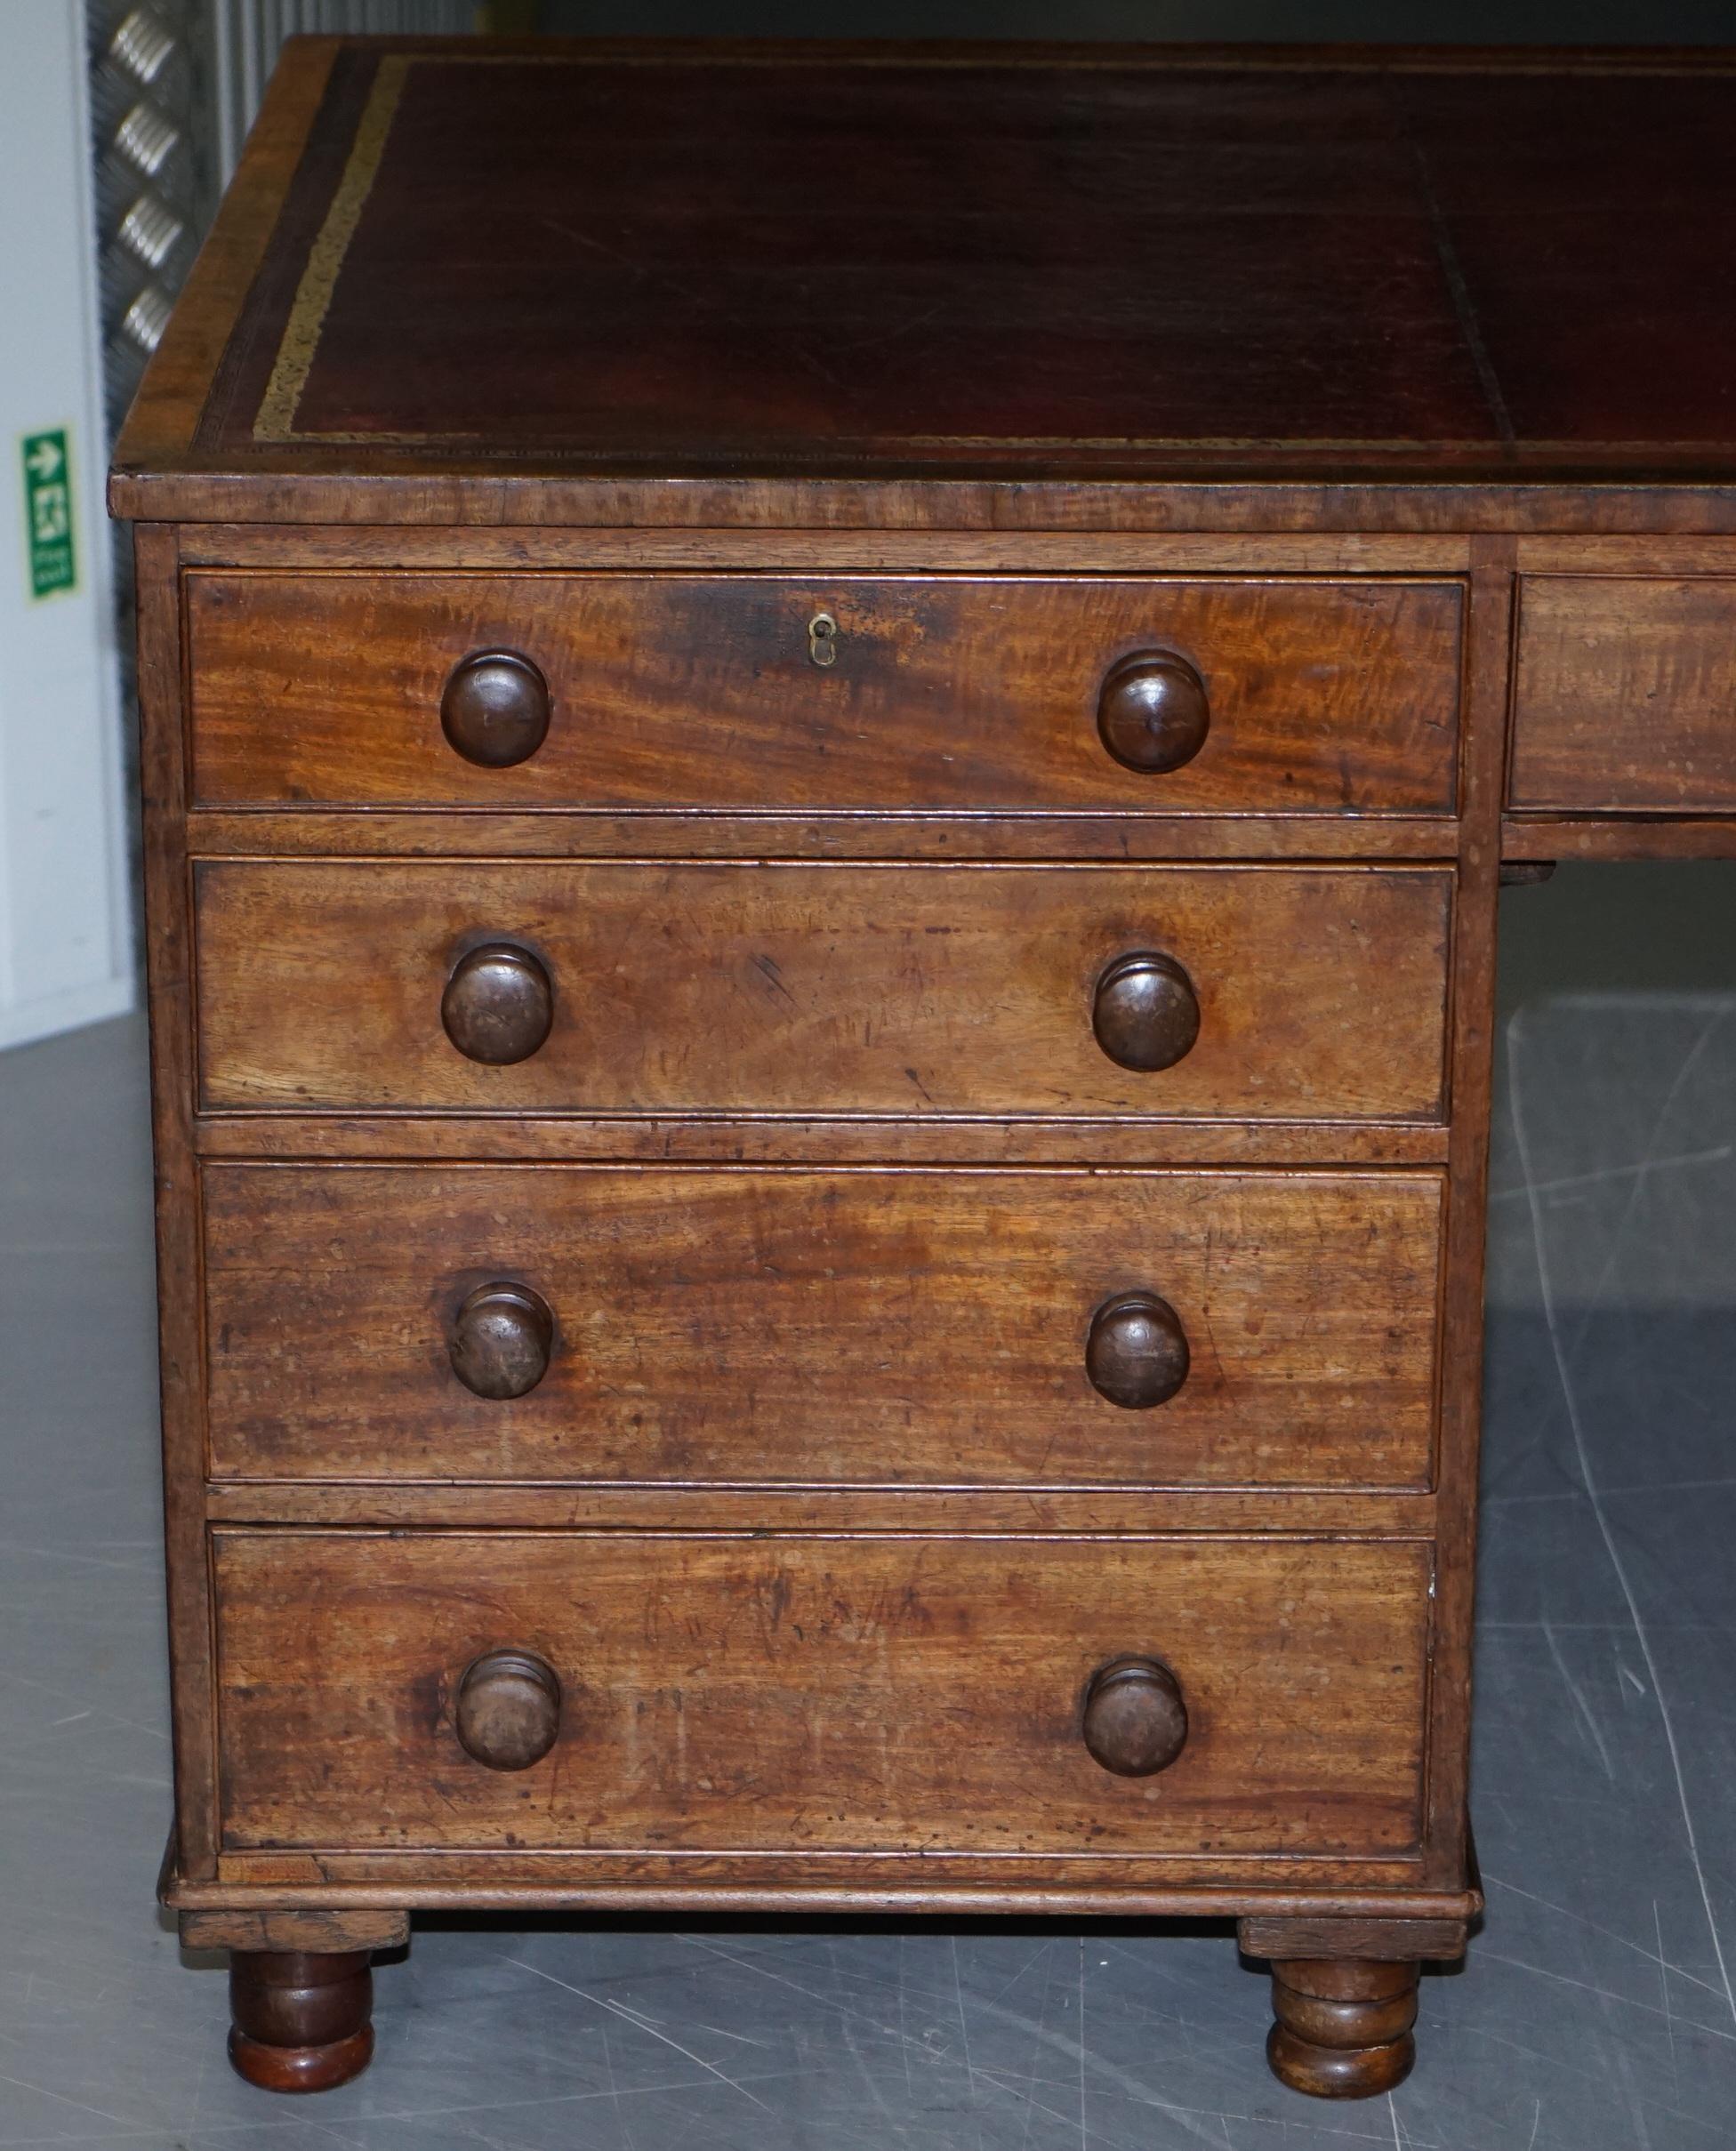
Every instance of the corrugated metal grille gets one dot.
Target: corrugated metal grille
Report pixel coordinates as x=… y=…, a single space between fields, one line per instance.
x=247 y=34
x=152 y=186
x=175 y=85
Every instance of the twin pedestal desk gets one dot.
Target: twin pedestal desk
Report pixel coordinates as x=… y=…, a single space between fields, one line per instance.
x=829 y=735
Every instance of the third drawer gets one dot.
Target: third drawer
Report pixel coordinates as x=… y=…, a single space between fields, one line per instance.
x=866 y=1326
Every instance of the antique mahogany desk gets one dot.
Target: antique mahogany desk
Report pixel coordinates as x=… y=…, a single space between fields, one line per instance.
x=829 y=735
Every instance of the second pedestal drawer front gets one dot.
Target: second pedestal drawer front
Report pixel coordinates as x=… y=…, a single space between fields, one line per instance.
x=869 y=1327
x=620 y=1692
x=1279 y=694
x=1256 y=993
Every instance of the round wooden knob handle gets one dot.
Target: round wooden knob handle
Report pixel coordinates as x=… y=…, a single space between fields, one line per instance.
x=1135 y=1723
x=500 y=1340
x=508 y=1711
x=1145 y=1012
x=494 y=711
x=1152 y=714
x=1137 y=1354
x=498 y=1005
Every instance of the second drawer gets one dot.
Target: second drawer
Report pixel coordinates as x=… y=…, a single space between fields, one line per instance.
x=1252 y=993
x=772 y=1325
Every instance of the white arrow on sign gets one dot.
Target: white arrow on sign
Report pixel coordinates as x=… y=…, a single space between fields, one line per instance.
x=45 y=460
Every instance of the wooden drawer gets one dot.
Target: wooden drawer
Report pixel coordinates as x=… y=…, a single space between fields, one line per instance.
x=737 y=1693
x=869 y=1327
x=903 y=991
x=944 y=693
x=1626 y=695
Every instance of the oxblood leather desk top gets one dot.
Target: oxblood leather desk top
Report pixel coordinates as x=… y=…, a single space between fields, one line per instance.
x=1164 y=263
x=829 y=737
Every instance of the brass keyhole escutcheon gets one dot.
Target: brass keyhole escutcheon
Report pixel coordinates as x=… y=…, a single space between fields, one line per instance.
x=822 y=639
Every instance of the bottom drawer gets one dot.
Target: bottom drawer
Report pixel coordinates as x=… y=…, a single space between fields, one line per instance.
x=733 y=1693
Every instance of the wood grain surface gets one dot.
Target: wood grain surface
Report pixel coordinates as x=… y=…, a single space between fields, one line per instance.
x=734 y=1694
x=1625 y=696
x=879 y=1328
x=905 y=991
x=1382 y=1941
x=955 y=1512
x=310 y=1927
x=168 y=941
x=564 y=1138
x=1462 y=1326
x=944 y=692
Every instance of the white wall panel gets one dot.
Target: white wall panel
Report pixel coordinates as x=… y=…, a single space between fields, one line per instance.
x=65 y=938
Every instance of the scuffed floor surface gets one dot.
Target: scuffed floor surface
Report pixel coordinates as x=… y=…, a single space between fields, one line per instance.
x=1596 y=2011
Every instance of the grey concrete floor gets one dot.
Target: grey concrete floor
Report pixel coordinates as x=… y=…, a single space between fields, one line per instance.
x=1596 y=2013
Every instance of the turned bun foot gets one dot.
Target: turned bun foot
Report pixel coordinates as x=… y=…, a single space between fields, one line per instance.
x=1344 y=2025
x=301 y=2019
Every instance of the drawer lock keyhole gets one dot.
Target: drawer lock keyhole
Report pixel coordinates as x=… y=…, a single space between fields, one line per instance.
x=822 y=639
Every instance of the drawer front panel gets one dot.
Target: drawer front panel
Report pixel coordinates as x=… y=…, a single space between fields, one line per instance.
x=882 y=1695
x=1626 y=695
x=875 y=1328
x=903 y=991
x=940 y=693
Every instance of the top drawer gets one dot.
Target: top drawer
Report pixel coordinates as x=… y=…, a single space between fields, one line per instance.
x=1624 y=698
x=804 y=694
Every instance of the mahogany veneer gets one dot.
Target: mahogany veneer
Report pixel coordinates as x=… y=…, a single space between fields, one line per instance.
x=960 y=692
x=822 y=831
x=765 y=1325
x=900 y=992
x=726 y=1695
x=1625 y=694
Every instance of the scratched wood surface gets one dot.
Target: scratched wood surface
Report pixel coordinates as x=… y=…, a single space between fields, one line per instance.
x=895 y=991
x=976 y=692
x=1624 y=696
x=830 y=1694
x=875 y=1327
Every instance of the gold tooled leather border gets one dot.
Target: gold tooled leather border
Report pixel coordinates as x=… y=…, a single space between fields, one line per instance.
x=275 y=420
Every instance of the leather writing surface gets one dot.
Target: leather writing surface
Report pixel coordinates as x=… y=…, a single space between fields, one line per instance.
x=759 y=262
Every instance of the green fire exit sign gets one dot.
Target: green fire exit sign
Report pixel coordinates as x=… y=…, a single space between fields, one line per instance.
x=48 y=512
